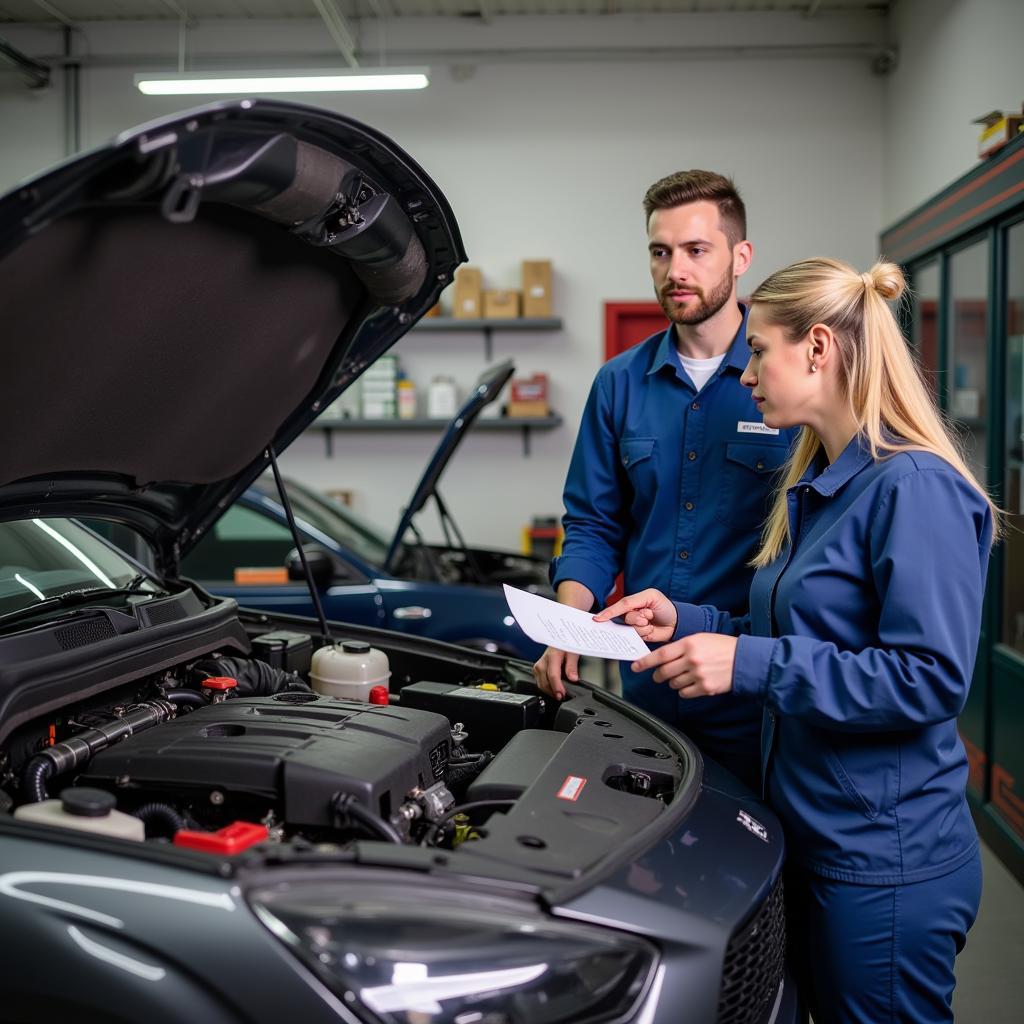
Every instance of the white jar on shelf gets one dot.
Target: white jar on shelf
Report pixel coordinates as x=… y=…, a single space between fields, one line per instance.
x=442 y=398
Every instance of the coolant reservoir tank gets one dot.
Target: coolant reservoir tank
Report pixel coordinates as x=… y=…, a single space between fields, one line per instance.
x=90 y=810
x=348 y=670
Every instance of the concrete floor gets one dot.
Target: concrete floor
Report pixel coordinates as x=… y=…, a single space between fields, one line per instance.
x=990 y=970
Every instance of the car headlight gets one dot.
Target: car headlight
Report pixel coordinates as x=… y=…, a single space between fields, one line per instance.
x=401 y=957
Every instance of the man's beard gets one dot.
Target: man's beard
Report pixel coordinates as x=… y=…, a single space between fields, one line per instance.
x=707 y=305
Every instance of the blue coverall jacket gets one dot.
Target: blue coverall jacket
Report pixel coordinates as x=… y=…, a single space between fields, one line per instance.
x=860 y=644
x=670 y=486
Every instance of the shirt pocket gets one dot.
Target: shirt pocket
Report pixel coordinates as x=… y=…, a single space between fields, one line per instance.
x=638 y=459
x=746 y=482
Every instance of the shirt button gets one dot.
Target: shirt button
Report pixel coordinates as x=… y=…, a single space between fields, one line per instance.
x=688 y=506
x=760 y=465
x=691 y=456
x=684 y=555
x=625 y=460
x=695 y=406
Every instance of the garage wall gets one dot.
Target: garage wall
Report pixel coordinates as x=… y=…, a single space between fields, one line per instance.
x=958 y=59
x=549 y=159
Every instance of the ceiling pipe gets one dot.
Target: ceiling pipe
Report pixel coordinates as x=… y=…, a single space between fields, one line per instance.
x=38 y=75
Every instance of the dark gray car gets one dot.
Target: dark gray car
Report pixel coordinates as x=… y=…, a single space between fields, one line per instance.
x=190 y=830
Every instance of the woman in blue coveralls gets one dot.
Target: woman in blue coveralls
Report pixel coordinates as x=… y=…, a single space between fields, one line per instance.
x=860 y=644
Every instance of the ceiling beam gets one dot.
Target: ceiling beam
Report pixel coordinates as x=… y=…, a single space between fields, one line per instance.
x=339 y=30
x=38 y=75
x=54 y=13
x=178 y=11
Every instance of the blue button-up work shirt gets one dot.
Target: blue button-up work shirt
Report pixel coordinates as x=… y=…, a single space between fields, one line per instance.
x=669 y=486
x=860 y=644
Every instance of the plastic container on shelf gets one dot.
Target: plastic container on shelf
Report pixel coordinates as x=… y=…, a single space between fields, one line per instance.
x=442 y=398
x=349 y=670
x=406 y=393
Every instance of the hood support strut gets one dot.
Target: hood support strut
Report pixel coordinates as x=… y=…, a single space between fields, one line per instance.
x=310 y=583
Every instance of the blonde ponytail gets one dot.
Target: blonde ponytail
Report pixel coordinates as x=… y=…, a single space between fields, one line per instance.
x=880 y=377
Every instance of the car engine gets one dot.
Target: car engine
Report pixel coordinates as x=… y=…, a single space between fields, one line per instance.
x=236 y=735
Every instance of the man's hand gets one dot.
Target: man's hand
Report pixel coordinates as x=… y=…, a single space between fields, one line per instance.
x=700 y=665
x=650 y=613
x=548 y=669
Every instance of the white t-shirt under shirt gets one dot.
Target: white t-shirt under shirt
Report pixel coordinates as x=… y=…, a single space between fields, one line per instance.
x=700 y=370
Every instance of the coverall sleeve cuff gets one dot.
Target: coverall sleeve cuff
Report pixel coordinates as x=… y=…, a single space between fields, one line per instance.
x=752 y=667
x=572 y=567
x=690 y=618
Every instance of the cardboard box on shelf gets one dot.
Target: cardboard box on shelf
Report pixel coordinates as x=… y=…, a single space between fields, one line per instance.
x=528 y=397
x=500 y=304
x=468 y=301
x=527 y=410
x=537 y=288
x=998 y=129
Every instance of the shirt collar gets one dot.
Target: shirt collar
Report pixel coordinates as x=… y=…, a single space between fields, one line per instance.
x=736 y=356
x=827 y=479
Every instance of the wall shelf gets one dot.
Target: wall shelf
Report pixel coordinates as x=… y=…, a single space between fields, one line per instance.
x=487 y=327
x=503 y=423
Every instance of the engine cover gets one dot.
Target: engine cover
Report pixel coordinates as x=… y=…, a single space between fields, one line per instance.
x=295 y=750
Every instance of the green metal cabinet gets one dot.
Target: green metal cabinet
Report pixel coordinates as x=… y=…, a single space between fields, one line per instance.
x=964 y=252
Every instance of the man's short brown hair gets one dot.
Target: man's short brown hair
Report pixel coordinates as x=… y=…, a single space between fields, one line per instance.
x=693 y=186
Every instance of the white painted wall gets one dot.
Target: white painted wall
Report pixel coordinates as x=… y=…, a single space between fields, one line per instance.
x=543 y=159
x=958 y=59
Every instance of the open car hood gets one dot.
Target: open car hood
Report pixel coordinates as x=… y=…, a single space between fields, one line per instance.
x=485 y=391
x=177 y=303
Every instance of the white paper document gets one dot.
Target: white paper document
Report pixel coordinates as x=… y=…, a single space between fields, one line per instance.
x=569 y=629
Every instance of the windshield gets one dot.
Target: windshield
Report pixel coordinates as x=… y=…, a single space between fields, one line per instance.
x=340 y=523
x=42 y=559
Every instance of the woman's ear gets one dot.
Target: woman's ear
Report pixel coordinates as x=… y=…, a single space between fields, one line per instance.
x=821 y=345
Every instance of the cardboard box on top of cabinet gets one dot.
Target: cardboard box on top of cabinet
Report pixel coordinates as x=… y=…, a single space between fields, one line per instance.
x=537 y=288
x=468 y=301
x=501 y=304
x=998 y=129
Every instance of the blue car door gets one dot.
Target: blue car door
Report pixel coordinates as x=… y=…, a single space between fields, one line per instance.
x=243 y=556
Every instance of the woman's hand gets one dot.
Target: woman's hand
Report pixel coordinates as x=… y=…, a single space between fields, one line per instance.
x=697 y=666
x=650 y=613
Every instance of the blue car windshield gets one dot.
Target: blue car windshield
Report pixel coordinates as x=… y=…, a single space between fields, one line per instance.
x=340 y=523
x=42 y=559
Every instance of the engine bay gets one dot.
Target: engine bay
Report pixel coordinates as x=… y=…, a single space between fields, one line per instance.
x=207 y=723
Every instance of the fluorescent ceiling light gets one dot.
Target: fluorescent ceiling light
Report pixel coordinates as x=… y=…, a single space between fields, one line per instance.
x=248 y=83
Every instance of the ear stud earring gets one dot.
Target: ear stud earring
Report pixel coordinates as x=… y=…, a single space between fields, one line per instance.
x=814 y=367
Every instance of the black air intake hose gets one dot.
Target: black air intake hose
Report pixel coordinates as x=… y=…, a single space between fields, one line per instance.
x=186 y=698
x=160 y=819
x=33 y=781
x=255 y=678
x=79 y=750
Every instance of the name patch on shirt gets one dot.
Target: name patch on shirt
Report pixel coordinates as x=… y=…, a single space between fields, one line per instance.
x=755 y=428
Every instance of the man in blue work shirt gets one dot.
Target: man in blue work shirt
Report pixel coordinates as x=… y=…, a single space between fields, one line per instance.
x=673 y=467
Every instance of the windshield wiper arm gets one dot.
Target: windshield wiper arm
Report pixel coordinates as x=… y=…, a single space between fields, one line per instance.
x=70 y=599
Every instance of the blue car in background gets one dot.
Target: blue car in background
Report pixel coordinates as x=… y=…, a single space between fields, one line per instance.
x=446 y=591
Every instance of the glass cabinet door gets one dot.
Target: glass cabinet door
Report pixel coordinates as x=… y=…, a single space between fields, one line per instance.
x=967 y=364
x=925 y=322
x=1013 y=576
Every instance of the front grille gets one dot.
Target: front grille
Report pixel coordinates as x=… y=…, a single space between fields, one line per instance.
x=83 y=633
x=753 y=963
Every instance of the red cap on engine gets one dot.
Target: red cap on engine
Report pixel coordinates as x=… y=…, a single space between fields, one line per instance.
x=379 y=695
x=219 y=683
x=233 y=838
